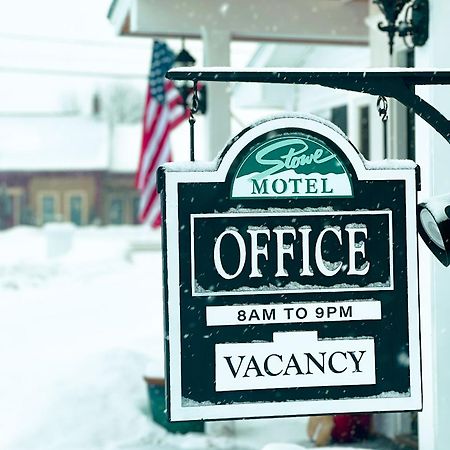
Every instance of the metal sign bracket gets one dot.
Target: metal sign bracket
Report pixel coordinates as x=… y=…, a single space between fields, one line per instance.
x=399 y=84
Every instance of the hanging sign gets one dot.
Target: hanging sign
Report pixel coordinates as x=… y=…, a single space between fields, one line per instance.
x=290 y=278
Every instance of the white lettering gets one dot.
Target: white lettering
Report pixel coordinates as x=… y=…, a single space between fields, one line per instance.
x=305 y=270
x=353 y=249
x=328 y=272
x=217 y=252
x=283 y=249
x=291 y=160
x=295 y=359
x=256 y=250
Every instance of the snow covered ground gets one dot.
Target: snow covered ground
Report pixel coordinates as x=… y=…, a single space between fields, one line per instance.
x=77 y=333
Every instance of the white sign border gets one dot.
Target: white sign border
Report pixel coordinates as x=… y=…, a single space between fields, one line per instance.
x=179 y=412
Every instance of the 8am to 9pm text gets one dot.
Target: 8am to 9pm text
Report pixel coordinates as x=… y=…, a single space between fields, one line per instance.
x=294 y=312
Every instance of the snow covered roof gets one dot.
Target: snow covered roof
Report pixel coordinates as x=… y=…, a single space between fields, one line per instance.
x=67 y=143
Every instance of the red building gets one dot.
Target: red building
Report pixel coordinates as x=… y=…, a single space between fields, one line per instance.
x=68 y=168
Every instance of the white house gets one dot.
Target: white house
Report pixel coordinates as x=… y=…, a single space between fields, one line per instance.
x=298 y=34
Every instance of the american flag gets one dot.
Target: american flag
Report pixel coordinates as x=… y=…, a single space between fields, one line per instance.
x=164 y=110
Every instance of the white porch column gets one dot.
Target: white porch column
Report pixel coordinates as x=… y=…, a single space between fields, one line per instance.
x=433 y=155
x=379 y=57
x=217 y=53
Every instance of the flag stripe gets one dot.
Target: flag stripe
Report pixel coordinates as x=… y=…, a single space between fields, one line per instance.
x=151 y=185
x=150 y=206
x=159 y=129
x=156 y=160
x=152 y=112
x=164 y=110
x=177 y=115
x=153 y=123
x=155 y=111
x=152 y=152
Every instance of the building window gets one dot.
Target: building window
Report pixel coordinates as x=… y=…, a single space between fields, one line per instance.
x=339 y=117
x=6 y=210
x=48 y=208
x=116 y=211
x=76 y=209
x=136 y=201
x=12 y=204
x=364 y=131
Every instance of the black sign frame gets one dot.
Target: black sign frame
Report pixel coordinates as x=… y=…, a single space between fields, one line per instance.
x=186 y=332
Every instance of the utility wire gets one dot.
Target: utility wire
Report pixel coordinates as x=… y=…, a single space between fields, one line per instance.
x=113 y=42
x=73 y=73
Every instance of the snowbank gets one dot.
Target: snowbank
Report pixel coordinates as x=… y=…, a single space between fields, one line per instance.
x=77 y=333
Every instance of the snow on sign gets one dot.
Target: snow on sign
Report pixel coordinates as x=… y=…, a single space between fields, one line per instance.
x=290 y=278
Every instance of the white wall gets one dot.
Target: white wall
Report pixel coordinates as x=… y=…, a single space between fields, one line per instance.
x=306 y=99
x=433 y=155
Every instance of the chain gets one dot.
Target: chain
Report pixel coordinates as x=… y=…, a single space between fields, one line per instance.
x=193 y=109
x=382 y=106
x=195 y=101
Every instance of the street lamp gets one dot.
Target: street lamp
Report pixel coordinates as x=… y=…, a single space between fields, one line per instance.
x=415 y=23
x=434 y=226
x=185 y=59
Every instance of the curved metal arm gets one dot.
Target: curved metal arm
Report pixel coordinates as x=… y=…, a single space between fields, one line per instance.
x=398 y=84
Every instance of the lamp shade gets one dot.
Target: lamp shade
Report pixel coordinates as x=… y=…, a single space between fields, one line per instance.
x=184 y=59
x=434 y=226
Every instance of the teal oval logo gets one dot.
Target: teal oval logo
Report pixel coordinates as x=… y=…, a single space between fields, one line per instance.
x=291 y=165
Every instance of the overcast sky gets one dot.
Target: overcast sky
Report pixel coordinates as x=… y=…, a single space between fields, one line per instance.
x=53 y=52
x=62 y=18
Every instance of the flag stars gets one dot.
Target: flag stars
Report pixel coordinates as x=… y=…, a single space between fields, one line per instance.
x=162 y=61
